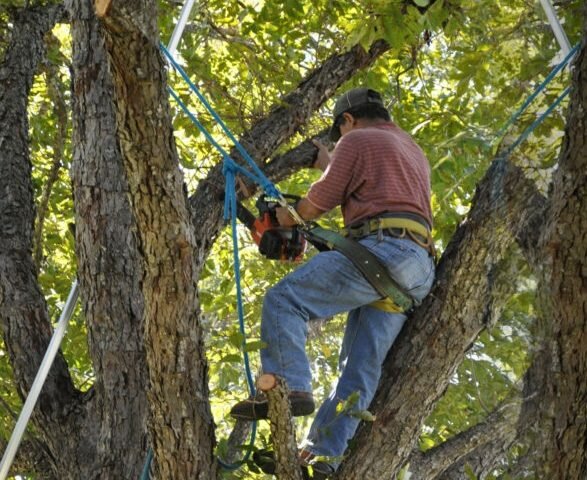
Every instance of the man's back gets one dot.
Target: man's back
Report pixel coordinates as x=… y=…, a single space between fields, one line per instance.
x=374 y=170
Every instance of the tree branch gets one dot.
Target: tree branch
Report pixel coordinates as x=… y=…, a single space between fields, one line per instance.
x=23 y=312
x=265 y=136
x=500 y=426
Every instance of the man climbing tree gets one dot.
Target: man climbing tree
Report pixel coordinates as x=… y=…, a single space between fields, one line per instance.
x=155 y=303
x=381 y=179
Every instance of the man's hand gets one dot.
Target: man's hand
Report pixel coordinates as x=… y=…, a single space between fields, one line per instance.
x=323 y=157
x=305 y=209
x=284 y=218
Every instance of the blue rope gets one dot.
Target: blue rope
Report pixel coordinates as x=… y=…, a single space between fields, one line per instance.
x=537 y=122
x=265 y=183
x=258 y=180
x=147 y=466
x=230 y=168
x=540 y=87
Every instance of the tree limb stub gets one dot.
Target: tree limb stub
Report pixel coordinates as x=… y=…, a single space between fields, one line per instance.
x=102 y=7
x=282 y=427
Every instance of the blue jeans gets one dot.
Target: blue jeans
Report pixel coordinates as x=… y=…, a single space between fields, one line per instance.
x=326 y=285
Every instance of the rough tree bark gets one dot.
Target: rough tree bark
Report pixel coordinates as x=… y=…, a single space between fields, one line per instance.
x=62 y=411
x=109 y=266
x=561 y=446
x=182 y=428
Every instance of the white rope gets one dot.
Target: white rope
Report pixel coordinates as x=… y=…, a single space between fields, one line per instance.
x=556 y=26
x=179 y=28
x=35 y=391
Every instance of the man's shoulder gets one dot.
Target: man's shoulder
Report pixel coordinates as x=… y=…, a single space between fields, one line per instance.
x=367 y=137
x=384 y=130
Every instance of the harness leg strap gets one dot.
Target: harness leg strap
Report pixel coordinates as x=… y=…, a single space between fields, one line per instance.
x=368 y=264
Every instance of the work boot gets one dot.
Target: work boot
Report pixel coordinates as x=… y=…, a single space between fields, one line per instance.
x=256 y=408
x=265 y=460
x=319 y=469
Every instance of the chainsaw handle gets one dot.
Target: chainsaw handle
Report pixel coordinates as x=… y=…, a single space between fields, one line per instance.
x=245 y=216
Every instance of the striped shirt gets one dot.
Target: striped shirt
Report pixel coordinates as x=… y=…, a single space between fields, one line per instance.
x=374 y=170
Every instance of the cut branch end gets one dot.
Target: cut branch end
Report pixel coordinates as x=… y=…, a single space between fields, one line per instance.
x=102 y=7
x=267 y=382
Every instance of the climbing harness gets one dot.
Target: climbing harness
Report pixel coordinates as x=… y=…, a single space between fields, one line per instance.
x=365 y=261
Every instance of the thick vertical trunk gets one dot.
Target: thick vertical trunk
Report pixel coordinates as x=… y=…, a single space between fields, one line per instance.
x=182 y=425
x=562 y=445
x=62 y=411
x=109 y=271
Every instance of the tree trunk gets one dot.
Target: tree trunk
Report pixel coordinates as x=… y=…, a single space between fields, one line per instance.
x=561 y=447
x=109 y=267
x=61 y=411
x=182 y=428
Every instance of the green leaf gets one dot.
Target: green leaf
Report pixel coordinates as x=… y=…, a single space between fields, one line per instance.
x=364 y=415
x=255 y=345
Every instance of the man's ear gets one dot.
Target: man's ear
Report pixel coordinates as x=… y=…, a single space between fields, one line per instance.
x=348 y=118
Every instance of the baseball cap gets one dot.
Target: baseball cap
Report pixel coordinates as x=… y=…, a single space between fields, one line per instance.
x=351 y=99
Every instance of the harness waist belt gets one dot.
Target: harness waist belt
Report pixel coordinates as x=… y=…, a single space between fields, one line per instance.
x=382 y=223
x=414 y=229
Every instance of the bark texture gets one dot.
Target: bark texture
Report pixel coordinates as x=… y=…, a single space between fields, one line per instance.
x=561 y=447
x=109 y=267
x=61 y=411
x=283 y=432
x=182 y=426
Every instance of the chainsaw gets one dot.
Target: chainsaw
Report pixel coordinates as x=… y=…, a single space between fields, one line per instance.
x=274 y=241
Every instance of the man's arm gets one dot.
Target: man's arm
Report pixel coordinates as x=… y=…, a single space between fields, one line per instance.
x=323 y=157
x=305 y=209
